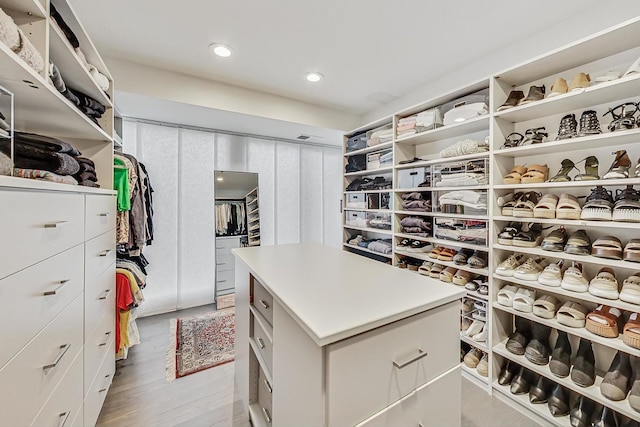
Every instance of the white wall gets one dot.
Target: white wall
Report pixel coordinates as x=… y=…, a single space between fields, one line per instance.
x=299 y=187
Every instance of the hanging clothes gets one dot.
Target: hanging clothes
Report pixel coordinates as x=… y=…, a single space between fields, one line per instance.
x=231 y=218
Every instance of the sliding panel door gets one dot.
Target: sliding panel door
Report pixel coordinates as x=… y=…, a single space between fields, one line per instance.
x=332 y=196
x=287 y=193
x=311 y=183
x=261 y=155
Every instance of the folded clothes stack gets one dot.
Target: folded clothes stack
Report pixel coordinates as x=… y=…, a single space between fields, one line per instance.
x=407 y=126
x=416 y=226
x=382 y=246
x=87 y=174
x=87 y=105
x=471 y=199
x=464 y=179
x=415 y=202
x=19 y=43
x=429 y=119
x=380 y=136
x=462 y=231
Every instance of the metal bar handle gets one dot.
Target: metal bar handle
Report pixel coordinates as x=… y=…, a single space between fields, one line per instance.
x=106 y=294
x=104 y=214
x=411 y=359
x=55 y=291
x=260 y=342
x=266 y=383
x=105 y=343
x=266 y=415
x=105 y=252
x=64 y=348
x=55 y=224
x=103 y=389
x=63 y=418
x=264 y=304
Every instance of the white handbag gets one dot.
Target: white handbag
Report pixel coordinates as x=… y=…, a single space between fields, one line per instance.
x=462 y=112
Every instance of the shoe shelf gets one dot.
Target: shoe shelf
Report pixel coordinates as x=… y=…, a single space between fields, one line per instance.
x=439 y=160
x=472 y=375
x=482 y=345
x=586 y=259
x=453 y=243
x=369 y=210
x=414 y=213
x=371 y=230
x=421 y=189
x=466 y=127
x=367 y=191
x=440 y=215
x=369 y=251
x=476 y=295
x=411 y=237
x=545 y=185
x=615 y=343
x=572 y=296
x=572 y=222
x=369 y=172
x=592 y=392
x=541 y=411
x=423 y=256
x=372 y=149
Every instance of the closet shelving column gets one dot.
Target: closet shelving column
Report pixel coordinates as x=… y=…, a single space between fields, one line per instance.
x=614 y=49
x=427 y=145
x=364 y=204
x=253 y=217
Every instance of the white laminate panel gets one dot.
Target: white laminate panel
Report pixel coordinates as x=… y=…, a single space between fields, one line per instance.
x=401 y=413
x=36 y=225
x=65 y=403
x=97 y=346
x=100 y=215
x=100 y=298
x=392 y=361
x=35 y=296
x=262 y=301
x=224 y=280
x=100 y=254
x=333 y=294
x=98 y=391
x=227 y=243
x=264 y=400
x=27 y=381
x=440 y=401
x=225 y=262
x=263 y=344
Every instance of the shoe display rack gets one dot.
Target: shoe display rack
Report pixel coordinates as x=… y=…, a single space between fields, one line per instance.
x=253 y=217
x=562 y=196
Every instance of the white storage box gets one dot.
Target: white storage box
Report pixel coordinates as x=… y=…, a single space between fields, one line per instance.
x=356 y=201
x=356 y=219
x=411 y=178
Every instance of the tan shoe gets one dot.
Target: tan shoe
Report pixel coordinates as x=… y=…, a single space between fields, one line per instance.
x=558 y=88
x=483 y=366
x=579 y=81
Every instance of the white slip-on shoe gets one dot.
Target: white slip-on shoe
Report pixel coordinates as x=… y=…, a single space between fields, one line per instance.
x=605 y=284
x=523 y=300
x=506 y=295
x=552 y=274
x=530 y=269
x=546 y=306
x=631 y=289
x=483 y=366
x=572 y=314
x=574 y=280
x=475 y=328
x=482 y=335
x=508 y=266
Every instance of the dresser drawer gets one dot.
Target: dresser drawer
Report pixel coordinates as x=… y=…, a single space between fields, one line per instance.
x=401 y=413
x=225 y=262
x=98 y=392
x=28 y=379
x=35 y=296
x=100 y=298
x=393 y=360
x=100 y=253
x=100 y=215
x=225 y=280
x=262 y=300
x=65 y=404
x=430 y=400
x=265 y=385
x=97 y=346
x=35 y=226
x=264 y=401
x=228 y=244
x=263 y=343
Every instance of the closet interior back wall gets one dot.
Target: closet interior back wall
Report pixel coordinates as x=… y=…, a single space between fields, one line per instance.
x=300 y=196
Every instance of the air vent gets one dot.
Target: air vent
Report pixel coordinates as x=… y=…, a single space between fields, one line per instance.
x=303 y=137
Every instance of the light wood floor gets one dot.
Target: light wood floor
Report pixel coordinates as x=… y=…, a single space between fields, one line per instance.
x=140 y=395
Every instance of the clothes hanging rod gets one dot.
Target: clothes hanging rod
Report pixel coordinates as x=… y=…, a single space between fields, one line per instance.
x=229 y=200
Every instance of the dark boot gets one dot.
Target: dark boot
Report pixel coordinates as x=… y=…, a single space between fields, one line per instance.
x=560 y=364
x=538 y=350
x=606 y=418
x=559 y=401
x=582 y=412
x=634 y=395
x=539 y=393
x=615 y=384
x=584 y=365
x=520 y=383
x=520 y=338
x=628 y=422
x=507 y=373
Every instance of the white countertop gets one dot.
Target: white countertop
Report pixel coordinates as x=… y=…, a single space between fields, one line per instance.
x=333 y=294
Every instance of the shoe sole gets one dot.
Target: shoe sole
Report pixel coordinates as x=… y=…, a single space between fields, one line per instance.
x=559 y=369
x=506 y=242
x=568 y=215
x=581 y=379
x=626 y=215
x=552 y=247
x=602 y=293
x=631 y=341
x=529 y=277
x=544 y=213
x=517 y=213
x=504 y=273
x=515 y=348
x=612 y=392
x=549 y=282
x=601 y=330
x=632 y=299
x=536 y=359
x=592 y=214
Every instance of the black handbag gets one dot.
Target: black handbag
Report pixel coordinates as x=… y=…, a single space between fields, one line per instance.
x=356 y=163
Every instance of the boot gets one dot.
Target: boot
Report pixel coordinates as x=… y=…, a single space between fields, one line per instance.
x=615 y=384
x=539 y=393
x=514 y=98
x=568 y=127
x=559 y=401
x=560 y=364
x=538 y=350
x=606 y=418
x=584 y=368
x=507 y=373
x=589 y=124
x=518 y=340
x=520 y=383
x=581 y=413
x=634 y=396
x=628 y=422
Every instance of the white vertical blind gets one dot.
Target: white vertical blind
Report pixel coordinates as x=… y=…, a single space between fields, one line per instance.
x=261 y=157
x=332 y=196
x=311 y=194
x=287 y=193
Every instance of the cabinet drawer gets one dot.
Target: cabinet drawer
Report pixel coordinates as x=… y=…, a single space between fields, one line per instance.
x=65 y=403
x=393 y=360
x=35 y=226
x=98 y=392
x=265 y=386
x=228 y=244
x=401 y=413
x=225 y=262
x=35 y=296
x=100 y=215
x=97 y=346
x=100 y=298
x=263 y=343
x=100 y=253
x=439 y=401
x=264 y=401
x=225 y=280
x=28 y=380
x=262 y=301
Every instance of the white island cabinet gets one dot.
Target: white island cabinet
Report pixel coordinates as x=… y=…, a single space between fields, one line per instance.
x=328 y=338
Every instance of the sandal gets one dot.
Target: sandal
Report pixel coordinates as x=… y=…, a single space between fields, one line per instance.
x=472 y=285
x=620 y=166
x=623 y=116
x=631 y=331
x=515 y=176
x=446 y=275
x=603 y=321
x=507 y=208
x=627 y=205
x=446 y=254
x=530 y=238
x=568 y=127
x=632 y=251
x=534 y=136
x=555 y=241
x=461 y=257
x=607 y=247
x=508 y=232
x=425 y=268
x=589 y=124
x=590 y=170
x=435 y=271
x=636 y=170
x=631 y=289
x=477 y=261
x=523 y=300
x=546 y=207
x=572 y=314
x=535 y=174
x=563 y=173
x=514 y=139
x=598 y=205
x=578 y=244
x=605 y=284
x=435 y=252
x=574 y=279
x=568 y=207
x=462 y=277
x=526 y=204
x=546 y=306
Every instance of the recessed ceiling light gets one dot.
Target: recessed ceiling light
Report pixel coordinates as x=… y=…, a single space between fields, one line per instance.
x=314 y=77
x=219 y=178
x=221 y=50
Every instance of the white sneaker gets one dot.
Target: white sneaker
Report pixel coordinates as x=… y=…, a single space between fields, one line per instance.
x=476 y=327
x=530 y=270
x=605 y=284
x=507 y=267
x=523 y=300
x=574 y=280
x=631 y=289
x=482 y=335
x=552 y=274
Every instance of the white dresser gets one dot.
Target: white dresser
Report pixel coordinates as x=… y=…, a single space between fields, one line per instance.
x=57 y=305
x=225 y=264
x=328 y=338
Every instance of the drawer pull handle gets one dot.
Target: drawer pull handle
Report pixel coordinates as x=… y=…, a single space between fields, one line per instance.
x=260 y=343
x=64 y=349
x=107 y=336
x=219 y=248
x=266 y=383
x=63 y=418
x=104 y=214
x=264 y=304
x=266 y=415
x=105 y=252
x=106 y=294
x=221 y=281
x=221 y=263
x=103 y=389
x=55 y=291
x=55 y=224
x=410 y=360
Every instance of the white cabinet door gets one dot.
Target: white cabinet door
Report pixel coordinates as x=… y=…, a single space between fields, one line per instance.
x=439 y=401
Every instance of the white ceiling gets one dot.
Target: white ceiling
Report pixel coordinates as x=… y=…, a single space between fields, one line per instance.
x=237 y=182
x=370 y=51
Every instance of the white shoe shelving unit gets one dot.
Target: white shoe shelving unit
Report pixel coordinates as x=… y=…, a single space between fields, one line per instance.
x=613 y=49
x=253 y=217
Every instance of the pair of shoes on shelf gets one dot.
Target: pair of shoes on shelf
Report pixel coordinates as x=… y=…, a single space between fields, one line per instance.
x=623 y=116
x=531 y=136
x=533 y=174
x=516 y=97
x=521 y=235
x=589 y=125
x=477 y=359
x=413 y=246
x=477 y=331
x=479 y=286
x=474 y=259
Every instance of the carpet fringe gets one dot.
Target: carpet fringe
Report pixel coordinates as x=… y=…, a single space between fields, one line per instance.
x=171 y=369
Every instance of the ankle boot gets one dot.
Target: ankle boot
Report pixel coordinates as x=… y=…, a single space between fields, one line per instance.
x=584 y=368
x=634 y=395
x=507 y=373
x=581 y=413
x=615 y=384
x=589 y=124
x=539 y=392
x=520 y=383
x=568 y=127
x=606 y=418
x=560 y=364
x=559 y=401
x=537 y=350
x=518 y=340
x=514 y=98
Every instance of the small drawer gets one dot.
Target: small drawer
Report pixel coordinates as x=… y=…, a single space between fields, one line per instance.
x=265 y=386
x=411 y=178
x=225 y=262
x=42 y=291
x=225 y=280
x=100 y=215
x=262 y=301
x=264 y=401
x=39 y=367
x=94 y=399
x=356 y=201
x=37 y=226
x=356 y=219
x=227 y=243
x=100 y=253
x=100 y=298
x=401 y=413
x=99 y=345
x=263 y=343
x=400 y=357
x=65 y=403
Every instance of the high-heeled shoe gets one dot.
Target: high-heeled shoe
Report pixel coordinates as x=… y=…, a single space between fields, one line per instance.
x=590 y=170
x=589 y=124
x=568 y=127
x=620 y=166
x=513 y=100
x=534 y=136
x=563 y=173
x=623 y=116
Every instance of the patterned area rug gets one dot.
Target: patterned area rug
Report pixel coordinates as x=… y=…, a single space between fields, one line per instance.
x=200 y=342
x=225 y=301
